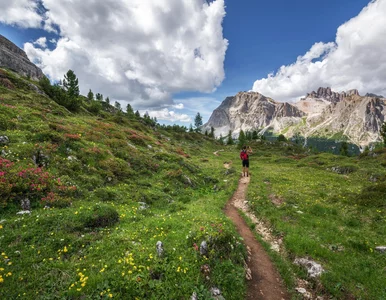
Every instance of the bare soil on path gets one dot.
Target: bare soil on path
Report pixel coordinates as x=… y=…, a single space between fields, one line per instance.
x=264 y=280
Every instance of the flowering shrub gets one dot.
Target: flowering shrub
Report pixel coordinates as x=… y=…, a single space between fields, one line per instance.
x=74 y=137
x=17 y=182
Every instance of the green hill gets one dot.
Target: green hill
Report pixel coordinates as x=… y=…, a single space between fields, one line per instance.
x=105 y=186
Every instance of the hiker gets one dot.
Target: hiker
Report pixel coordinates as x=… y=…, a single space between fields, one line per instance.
x=244 y=155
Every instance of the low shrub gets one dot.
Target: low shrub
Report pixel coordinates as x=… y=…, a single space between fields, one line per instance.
x=100 y=215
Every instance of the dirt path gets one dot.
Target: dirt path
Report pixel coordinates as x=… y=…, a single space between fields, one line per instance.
x=265 y=282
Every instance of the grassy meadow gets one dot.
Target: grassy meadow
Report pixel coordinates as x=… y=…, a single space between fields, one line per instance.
x=105 y=187
x=328 y=208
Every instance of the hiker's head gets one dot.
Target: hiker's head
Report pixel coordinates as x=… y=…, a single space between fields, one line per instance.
x=244 y=147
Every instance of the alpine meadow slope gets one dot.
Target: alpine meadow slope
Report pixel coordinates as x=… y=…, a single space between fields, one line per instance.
x=103 y=188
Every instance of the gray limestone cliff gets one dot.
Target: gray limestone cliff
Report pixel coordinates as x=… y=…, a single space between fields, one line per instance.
x=15 y=59
x=323 y=113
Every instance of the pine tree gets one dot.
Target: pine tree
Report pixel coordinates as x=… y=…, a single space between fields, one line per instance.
x=99 y=97
x=191 y=128
x=242 y=138
x=344 y=149
x=107 y=100
x=90 y=95
x=221 y=140
x=255 y=135
x=117 y=105
x=383 y=133
x=129 y=110
x=137 y=114
x=71 y=84
x=230 y=139
x=198 y=122
x=211 y=134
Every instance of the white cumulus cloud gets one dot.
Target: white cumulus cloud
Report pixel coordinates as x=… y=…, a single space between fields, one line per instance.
x=42 y=42
x=137 y=51
x=22 y=13
x=356 y=60
x=169 y=115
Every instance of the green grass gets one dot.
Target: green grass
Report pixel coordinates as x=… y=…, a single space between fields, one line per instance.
x=94 y=240
x=335 y=219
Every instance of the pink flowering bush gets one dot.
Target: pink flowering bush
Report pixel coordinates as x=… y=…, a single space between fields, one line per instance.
x=18 y=181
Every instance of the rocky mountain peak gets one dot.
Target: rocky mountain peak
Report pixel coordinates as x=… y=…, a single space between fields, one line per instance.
x=15 y=59
x=331 y=96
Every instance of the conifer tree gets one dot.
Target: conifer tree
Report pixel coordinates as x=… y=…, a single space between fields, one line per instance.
x=107 y=100
x=129 y=110
x=198 y=122
x=117 y=105
x=230 y=139
x=383 y=133
x=211 y=134
x=71 y=84
x=242 y=138
x=90 y=95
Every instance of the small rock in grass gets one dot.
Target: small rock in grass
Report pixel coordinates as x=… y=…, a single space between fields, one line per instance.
x=300 y=212
x=160 y=248
x=204 y=248
x=25 y=204
x=303 y=291
x=23 y=212
x=314 y=269
x=143 y=206
x=215 y=291
x=3 y=221
x=381 y=249
x=194 y=296
x=4 y=140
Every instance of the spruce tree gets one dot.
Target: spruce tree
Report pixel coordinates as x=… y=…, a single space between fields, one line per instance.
x=242 y=138
x=211 y=134
x=129 y=110
x=117 y=105
x=90 y=95
x=198 y=122
x=71 y=84
x=383 y=133
x=230 y=139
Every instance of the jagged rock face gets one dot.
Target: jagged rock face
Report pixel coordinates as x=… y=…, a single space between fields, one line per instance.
x=12 y=57
x=324 y=113
x=329 y=95
x=250 y=110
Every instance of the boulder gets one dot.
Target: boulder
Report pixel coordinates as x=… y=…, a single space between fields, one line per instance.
x=313 y=268
x=4 y=140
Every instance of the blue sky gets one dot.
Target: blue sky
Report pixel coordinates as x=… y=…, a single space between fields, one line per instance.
x=262 y=36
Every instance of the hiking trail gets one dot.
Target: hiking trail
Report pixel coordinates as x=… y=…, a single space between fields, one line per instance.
x=264 y=281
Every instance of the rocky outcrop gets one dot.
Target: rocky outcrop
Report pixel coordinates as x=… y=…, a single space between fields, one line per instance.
x=15 y=59
x=250 y=110
x=324 y=113
x=331 y=96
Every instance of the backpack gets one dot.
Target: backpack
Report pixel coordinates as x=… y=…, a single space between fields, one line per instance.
x=244 y=155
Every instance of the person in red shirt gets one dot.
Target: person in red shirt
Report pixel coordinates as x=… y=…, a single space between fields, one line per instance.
x=244 y=155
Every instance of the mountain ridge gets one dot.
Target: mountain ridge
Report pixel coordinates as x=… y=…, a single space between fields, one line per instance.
x=324 y=113
x=15 y=59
